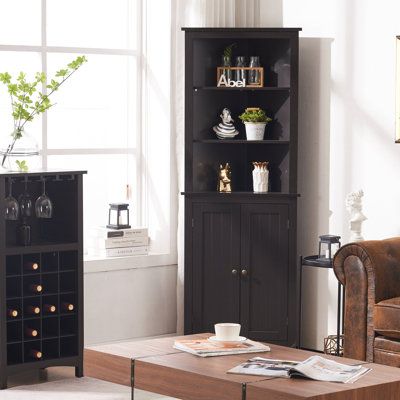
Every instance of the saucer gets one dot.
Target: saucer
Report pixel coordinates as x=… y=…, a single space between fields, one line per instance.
x=238 y=340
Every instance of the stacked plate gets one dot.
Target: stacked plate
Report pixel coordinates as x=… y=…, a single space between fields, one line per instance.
x=225 y=131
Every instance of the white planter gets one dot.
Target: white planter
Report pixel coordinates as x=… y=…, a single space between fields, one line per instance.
x=255 y=130
x=260 y=180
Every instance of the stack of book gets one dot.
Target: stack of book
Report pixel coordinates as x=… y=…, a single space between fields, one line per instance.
x=120 y=242
x=206 y=348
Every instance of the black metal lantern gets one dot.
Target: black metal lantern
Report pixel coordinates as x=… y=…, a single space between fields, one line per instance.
x=118 y=216
x=328 y=245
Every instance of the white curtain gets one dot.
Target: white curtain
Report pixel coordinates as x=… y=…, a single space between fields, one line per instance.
x=196 y=13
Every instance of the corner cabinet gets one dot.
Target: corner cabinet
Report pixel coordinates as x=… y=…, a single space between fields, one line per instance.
x=240 y=247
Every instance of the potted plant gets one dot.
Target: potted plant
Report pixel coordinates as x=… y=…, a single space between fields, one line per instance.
x=27 y=101
x=255 y=121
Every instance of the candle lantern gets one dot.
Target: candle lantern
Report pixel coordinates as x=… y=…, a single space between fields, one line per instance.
x=118 y=216
x=328 y=245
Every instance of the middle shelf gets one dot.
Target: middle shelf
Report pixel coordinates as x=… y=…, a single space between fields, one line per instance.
x=242 y=141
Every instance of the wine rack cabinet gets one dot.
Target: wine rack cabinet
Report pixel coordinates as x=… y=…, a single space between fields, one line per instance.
x=41 y=285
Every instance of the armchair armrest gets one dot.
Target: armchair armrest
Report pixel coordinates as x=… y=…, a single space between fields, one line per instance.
x=370 y=272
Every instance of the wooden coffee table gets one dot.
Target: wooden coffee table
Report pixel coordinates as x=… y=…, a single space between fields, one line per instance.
x=154 y=366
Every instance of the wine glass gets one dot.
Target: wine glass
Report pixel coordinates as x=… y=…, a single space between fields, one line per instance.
x=43 y=205
x=25 y=202
x=11 y=205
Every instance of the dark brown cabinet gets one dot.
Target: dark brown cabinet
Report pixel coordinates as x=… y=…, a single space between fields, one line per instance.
x=265 y=268
x=37 y=280
x=240 y=247
x=241 y=266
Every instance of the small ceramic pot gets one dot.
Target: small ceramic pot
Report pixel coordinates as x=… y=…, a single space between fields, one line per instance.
x=255 y=130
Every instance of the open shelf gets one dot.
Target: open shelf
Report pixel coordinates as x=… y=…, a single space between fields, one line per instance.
x=242 y=141
x=244 y=89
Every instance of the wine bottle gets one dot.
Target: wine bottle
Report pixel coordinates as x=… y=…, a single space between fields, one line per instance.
x=12 y=312
x=67 y=306
x=35 y=288
x=31 y=266
x=33 y=310
x=35 y=354
x=50 y=308
x=30 y=332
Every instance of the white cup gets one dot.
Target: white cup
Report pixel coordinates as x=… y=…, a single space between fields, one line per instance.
x=227 y=332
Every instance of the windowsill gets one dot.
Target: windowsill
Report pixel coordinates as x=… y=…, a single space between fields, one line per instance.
x=93 y=264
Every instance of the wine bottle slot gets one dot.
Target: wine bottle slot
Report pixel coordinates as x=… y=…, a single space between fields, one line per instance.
x=36 y=288
x=35 y=353
x=30 y=332
x=33 y=310
x=50 y=308
x=31 y=266
x=67 y=306
x=12 y=313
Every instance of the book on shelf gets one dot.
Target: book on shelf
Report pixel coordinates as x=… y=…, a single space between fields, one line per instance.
x=206 y=348
x=114 y=242
x=106 y=233
x=121 y=251
x=315 y=367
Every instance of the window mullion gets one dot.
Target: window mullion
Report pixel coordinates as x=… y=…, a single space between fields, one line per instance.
x=44 y=88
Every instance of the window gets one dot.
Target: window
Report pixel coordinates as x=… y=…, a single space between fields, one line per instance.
x=100 y=122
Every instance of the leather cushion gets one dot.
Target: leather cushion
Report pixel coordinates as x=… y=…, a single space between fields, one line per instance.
x=387 y=318
x=387 y=351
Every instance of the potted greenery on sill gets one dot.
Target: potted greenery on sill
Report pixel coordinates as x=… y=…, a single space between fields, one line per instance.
x=27 y=101
x=255 y=121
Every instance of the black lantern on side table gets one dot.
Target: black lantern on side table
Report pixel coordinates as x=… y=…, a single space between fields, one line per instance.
x=328 y=245
x=118 y=216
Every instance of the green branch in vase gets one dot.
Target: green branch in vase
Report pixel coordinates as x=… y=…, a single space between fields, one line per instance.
x=27 y=101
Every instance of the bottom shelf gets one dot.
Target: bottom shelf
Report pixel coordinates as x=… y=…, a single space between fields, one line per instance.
x=40 y=350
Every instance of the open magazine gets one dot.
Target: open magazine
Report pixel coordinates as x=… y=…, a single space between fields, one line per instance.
x=315 y=367
x=206 y=348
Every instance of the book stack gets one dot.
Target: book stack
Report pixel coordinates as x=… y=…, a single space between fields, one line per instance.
x=120 y=242
x=206 y=348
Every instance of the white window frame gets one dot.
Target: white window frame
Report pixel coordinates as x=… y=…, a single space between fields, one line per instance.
x=97 y=264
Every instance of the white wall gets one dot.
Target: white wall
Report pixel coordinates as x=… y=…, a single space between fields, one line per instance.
x=346 y=131
x=129 y=303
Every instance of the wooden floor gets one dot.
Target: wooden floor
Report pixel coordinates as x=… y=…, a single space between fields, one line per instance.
x=57 y=373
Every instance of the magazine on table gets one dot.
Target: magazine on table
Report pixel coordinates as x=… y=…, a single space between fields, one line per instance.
x=206 y=348
x=315 y=367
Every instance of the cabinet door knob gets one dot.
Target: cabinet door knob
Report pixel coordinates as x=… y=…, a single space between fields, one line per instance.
x=234 y=271
x=244 y=272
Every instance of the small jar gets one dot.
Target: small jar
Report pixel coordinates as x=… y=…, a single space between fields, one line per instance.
x=240 y=73
x=254 y=76
x=226 y=62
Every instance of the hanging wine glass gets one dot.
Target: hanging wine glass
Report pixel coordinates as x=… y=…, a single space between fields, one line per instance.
x=11 y=205
x=43 y=205
x=25 y=202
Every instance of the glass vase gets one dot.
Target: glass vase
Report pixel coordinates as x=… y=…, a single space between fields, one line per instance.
x=19 y=152
x=254 y=77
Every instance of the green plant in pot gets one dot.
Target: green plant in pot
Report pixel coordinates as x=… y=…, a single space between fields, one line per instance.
x=20 y=152
x=255 y=121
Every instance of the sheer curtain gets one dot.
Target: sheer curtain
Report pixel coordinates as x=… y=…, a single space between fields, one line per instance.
x=196 y=13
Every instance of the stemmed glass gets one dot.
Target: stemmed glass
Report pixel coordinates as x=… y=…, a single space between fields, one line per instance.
x=43 y=205
x=25 y=202
x=11 y=205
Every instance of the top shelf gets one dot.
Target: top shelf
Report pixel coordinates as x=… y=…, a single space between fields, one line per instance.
x=42 y=172
x=245 y=89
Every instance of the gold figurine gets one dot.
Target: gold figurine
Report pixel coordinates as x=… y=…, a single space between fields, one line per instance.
x=224 y=180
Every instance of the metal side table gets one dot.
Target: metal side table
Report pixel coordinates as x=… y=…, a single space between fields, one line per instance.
x=316 y=262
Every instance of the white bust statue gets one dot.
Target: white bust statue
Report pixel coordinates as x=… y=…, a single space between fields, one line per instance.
x=354 y=207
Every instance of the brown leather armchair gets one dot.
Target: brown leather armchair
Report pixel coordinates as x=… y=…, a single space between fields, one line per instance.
x=370 y=272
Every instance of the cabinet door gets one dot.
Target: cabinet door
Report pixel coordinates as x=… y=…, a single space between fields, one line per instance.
x=264 y=282
x=216 y=252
